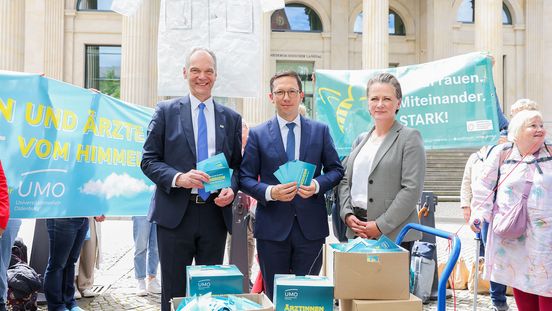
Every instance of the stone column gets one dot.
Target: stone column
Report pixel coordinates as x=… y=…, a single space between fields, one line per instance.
x=488 y=36
x=139 y=55
x=439 y=40
x=534 y=50
x=154 y=28
x=375 y=34
x=44 y=37
x=339 y=38
x=259 y=109
x=12 y=36
x=53 y=38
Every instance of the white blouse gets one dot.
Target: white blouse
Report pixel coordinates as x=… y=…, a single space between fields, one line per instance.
x=361 y=169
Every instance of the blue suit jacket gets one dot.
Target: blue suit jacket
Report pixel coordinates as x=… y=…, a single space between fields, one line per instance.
x=170 y=148
x=263 y=154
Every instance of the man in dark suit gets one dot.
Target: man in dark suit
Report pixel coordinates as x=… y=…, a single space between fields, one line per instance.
x=184 y=131
x=291 y=223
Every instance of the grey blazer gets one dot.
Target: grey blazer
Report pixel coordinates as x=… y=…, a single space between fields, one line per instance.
x=395 y=181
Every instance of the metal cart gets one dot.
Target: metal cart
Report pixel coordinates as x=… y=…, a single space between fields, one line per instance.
x=456 y=246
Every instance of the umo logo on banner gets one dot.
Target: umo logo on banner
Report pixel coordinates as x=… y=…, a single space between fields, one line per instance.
x=39 y=189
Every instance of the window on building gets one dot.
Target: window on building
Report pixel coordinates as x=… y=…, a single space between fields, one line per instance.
x=396 y=24
x=305 y=71
x=466 y=13
x=506 y=16
x=103 y=69
x=94 y=5
x=296 y=17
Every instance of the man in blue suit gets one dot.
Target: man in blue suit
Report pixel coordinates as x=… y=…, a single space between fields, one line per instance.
x=183 y=131
x=291 y=223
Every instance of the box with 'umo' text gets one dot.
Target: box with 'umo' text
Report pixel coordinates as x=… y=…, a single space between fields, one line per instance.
x=314 y=293
x=216 y=279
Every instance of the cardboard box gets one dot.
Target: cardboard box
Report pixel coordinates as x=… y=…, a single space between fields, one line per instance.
x=262 y=299
x=374 y=275
x=345 y=304
x=412 y=304
x=216 y=279
x=302 y=293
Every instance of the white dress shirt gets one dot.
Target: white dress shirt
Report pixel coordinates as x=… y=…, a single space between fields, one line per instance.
x=209 y=112
x=284 y=130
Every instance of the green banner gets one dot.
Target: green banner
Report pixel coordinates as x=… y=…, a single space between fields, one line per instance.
x=452 y=102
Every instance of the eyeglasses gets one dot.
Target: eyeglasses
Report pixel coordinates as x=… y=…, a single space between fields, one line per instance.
x=293 y=93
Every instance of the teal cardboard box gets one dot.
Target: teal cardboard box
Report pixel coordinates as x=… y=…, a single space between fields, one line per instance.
x=302 y=293
x=216 y=279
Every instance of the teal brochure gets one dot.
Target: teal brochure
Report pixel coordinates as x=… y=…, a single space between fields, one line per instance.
x=304 y=172
x=218 y=179
x=298 y=171
x=213 y=163
x=280 y=176
x=220 y=174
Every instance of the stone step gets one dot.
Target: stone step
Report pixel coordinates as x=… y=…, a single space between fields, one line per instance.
x=448 y=198
x=444 y=172
x=437 y=184
x=442 y=166
x=440 y=192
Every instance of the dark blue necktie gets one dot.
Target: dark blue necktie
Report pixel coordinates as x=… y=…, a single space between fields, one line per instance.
x=202 y=144
x=290 y=145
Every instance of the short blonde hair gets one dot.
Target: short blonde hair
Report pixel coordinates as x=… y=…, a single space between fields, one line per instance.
x=523 y=104
x=519 y=121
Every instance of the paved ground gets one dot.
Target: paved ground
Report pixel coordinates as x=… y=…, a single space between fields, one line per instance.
x=115 y=279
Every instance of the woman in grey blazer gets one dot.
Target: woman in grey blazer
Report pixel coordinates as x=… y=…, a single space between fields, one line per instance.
x=385 y=171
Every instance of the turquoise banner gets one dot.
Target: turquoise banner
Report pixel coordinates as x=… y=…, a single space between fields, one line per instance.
x=452 y=102
x=70 y=152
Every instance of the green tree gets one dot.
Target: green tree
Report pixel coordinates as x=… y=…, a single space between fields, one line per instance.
x=110 y=84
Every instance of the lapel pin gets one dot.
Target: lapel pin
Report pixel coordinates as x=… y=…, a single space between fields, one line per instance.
x=221 y=126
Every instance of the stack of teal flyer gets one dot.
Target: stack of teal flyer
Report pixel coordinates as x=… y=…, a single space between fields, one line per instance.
x=303 y=293
x=298 y=171
x=220 y=174
x=360 y=245
x=208 y=302
x=215 y=279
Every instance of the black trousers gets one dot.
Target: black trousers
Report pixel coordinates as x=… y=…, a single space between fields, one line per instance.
x=294 y=255
x=201 y=235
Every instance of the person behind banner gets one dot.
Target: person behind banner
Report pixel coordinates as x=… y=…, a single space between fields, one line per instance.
x=473 y=168
x=521 y=173
x=66 y=236
x=191 y=223
x=146 y=255
x=523 y=104
x=89 y=259
x=9 y=227
x=385 y=171
x=520 y=105
x=291 y=222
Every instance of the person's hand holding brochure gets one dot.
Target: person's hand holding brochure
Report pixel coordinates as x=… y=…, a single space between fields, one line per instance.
x=220 y=175
x=299 y=171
